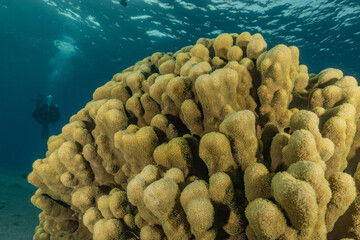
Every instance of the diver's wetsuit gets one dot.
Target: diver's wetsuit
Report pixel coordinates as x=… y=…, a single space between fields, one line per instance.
x=46 y=113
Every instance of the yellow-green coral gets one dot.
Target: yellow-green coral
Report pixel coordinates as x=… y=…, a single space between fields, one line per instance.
x=224 y=139
x=265 y=219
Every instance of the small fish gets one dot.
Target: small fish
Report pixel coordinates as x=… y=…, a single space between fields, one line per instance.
x=123 y=2
x=287 y=130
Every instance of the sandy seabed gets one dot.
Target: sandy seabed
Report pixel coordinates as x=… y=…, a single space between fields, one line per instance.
x=18 y=217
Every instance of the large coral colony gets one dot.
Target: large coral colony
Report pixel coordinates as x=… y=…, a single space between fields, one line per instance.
x=220 y=140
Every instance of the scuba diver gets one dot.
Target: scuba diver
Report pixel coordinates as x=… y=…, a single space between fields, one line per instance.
x=46 y=113
x=123 y=2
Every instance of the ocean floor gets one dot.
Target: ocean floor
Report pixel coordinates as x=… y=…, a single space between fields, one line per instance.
x=18 y=217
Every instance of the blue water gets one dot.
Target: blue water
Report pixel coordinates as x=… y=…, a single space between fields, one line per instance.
x=69 y=48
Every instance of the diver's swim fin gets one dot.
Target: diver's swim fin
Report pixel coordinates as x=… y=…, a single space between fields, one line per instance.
x=123 y=2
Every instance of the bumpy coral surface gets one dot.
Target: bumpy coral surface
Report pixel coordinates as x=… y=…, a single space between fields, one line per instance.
x=221 y=140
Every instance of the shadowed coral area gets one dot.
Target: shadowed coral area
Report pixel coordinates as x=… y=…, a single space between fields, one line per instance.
x=221 y=140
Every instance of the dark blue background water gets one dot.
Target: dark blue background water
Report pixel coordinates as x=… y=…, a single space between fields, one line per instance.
x=69 y=48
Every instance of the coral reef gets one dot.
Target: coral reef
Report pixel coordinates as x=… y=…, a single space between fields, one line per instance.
x=221 y=140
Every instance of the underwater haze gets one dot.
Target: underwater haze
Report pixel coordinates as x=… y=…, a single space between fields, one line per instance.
x=69 y=48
